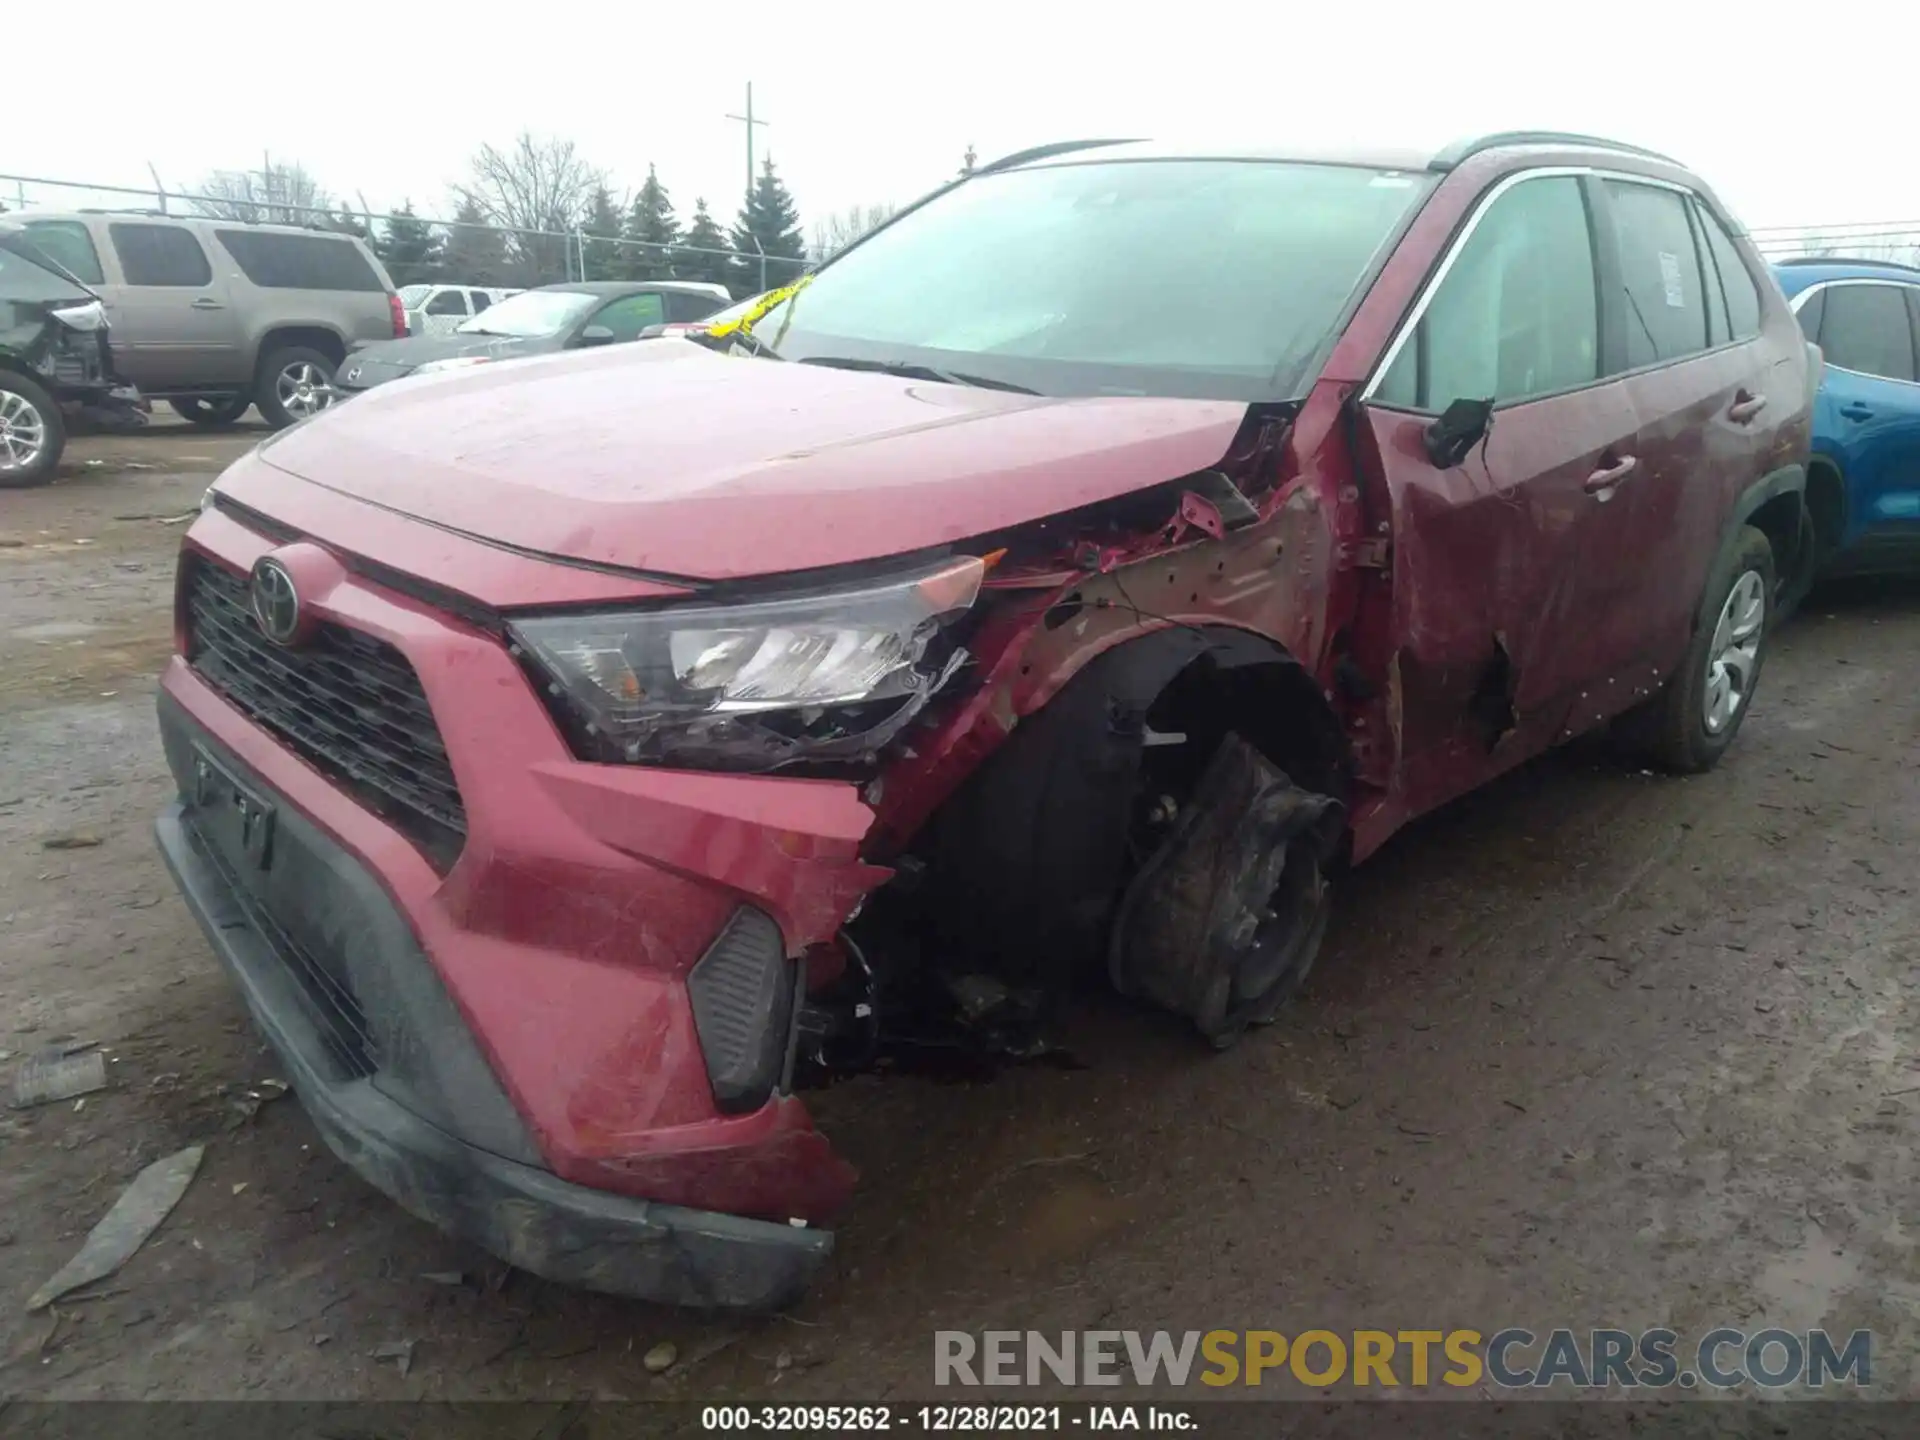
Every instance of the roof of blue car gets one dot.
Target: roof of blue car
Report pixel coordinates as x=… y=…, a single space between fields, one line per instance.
x=1800 y=272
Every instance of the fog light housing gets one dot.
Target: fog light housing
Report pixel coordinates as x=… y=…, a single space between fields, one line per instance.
x=742 y=996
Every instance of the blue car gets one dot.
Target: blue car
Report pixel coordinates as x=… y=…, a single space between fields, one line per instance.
x=1863 y=485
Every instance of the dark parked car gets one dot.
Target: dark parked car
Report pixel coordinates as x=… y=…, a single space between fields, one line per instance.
x=55 y=363
x=572 y=316
x=1066 y=581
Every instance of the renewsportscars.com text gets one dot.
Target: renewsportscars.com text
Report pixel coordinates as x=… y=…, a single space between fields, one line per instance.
x=1512 y=1358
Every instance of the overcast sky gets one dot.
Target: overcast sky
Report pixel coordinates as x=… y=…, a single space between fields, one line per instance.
x=877 y=102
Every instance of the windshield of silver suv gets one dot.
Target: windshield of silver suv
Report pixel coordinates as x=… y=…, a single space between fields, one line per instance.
x=530 y=314
x=1208 y=278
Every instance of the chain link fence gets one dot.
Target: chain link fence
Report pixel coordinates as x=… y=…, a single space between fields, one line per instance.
x=469 y=252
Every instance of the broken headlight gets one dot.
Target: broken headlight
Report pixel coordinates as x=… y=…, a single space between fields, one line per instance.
x=756 y=684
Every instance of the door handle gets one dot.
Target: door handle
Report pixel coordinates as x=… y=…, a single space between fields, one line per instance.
x=205 y=304
x=1856 y=411
x=1609 y=476
x=1745 y=407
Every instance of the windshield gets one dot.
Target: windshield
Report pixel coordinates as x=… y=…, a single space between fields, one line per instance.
x=25 y=275
x=529 y=314
x=412 y=295
x=1210 y=278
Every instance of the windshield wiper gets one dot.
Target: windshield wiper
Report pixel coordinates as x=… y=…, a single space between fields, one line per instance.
x=913 y=371
x=741 y=336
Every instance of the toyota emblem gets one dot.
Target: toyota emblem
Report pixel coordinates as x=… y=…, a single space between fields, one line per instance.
x=276 y=604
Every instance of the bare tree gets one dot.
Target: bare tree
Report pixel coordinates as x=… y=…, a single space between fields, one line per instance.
x=842 y=228
x=277 y=195
x=534 y=185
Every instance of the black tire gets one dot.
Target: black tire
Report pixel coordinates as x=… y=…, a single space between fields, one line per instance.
x=210 y=414
x=266 y=390
x=24 y=398
x=1672 y=728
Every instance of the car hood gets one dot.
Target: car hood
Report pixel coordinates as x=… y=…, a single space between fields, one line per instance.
x=389 y=358
x=668 y=458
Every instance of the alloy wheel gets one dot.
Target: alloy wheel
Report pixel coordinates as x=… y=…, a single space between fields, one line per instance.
x=1734 y=655
x=23 y=432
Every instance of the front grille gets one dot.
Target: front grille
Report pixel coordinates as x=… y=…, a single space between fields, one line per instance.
x=347 y=703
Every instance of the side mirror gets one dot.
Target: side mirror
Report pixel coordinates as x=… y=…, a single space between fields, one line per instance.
x=1463 y=425
x=596 y=335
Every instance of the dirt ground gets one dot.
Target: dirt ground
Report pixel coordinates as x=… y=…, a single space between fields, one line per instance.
x=1591 y=1048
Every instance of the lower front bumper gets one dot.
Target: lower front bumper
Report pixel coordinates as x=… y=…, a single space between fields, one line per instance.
x=528 y=1217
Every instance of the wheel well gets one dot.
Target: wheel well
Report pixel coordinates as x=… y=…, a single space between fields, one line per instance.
x=1780 y=520
x=311 y=337
x=1024 y=862
x=1826 y=504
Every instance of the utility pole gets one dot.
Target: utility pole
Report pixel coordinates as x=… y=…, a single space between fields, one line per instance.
x=748 y=120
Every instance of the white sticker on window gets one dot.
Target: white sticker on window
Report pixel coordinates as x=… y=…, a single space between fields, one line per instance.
x=1670 y=276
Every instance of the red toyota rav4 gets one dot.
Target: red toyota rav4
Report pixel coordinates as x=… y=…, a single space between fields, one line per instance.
x=579 y=758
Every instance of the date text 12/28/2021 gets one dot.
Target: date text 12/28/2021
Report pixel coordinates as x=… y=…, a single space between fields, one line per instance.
x=942 y=1419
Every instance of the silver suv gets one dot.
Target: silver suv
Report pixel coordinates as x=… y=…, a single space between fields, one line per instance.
x=214 y=315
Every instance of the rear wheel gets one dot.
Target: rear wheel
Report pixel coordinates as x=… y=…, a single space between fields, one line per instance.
x=211 y=414
x=294 y=383
x=1688 y=726
x=32 y=432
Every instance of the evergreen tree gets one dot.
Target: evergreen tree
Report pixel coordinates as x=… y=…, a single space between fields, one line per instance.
x=476 y=253
x=604 y=259
x=347 y=222
x=697 y=261
x=409 y=247
x=772 y=219
x=652 y=227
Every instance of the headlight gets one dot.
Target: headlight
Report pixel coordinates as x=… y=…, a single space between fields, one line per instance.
x=754 y=685
x=452 y=362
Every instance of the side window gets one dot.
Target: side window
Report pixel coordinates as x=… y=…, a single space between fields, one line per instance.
x=1866 y=328
x=1743 y=296
x=1666 y=315
x=1809 y=315
x=683 y=307
x=448 y=302
x=1719 y=332
x=299 y=262
x=159 y=255
x=630 y=314
x=1517 y=314
x=481 y=300
x=67 y=243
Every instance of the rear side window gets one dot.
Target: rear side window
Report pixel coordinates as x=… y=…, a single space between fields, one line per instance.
x=1809 y=315
x=447 y=302
x=481 y=300
x=159 y=255
x=1736 y=280
x=68 y=243
x=682 y=308
x=299 y=262
x=1666 y=315
x=1516 y=315
x=630 y=314
x=1866 y=328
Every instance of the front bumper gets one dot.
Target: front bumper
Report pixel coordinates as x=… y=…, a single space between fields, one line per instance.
x=520 y=1059
x=516 y=1210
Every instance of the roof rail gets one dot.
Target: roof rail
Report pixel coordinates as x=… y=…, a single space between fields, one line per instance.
x=1047 y=152
x=1459 y=151
x=1848 y=260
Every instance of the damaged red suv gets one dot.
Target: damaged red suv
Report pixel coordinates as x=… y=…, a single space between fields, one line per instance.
x=579 y=759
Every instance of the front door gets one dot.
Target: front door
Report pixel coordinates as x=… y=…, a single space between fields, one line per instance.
x=172 y=323
x=1492 y=556
x=1870 y=413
